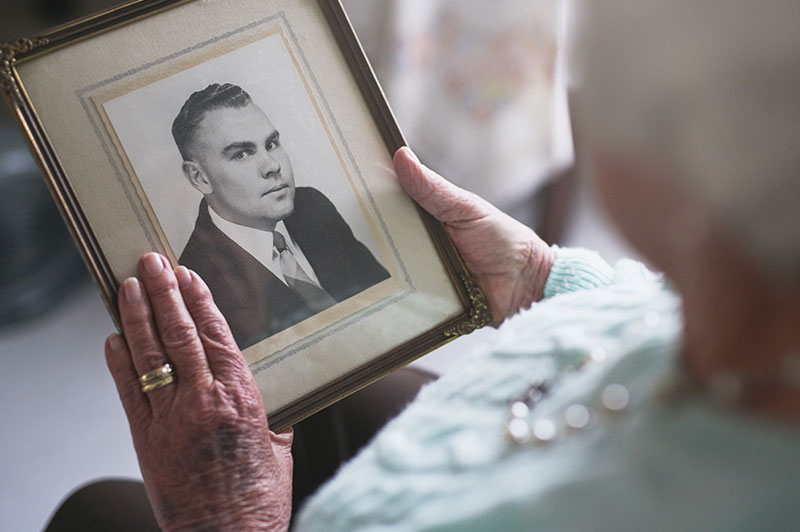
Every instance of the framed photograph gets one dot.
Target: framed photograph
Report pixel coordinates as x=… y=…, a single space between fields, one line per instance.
x=249 y=141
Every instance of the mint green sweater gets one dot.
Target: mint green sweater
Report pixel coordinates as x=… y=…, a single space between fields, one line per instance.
x=666 y=463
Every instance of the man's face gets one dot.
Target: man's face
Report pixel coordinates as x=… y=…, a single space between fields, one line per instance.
x=244 y=171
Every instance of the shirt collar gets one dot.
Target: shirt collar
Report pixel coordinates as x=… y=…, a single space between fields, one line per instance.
x=256 y=242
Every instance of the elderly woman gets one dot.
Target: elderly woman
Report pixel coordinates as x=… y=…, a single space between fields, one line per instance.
x=619 y=400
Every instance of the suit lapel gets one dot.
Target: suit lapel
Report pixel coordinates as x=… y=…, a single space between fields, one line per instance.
x=315 y=242
x=250 y=290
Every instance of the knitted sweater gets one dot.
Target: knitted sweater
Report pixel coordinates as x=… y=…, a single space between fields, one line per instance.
x=664 y=463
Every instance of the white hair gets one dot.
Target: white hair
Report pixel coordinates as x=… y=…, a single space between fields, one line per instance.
x=711 y=87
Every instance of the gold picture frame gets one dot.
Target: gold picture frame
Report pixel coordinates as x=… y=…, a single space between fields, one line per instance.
x=95 y=99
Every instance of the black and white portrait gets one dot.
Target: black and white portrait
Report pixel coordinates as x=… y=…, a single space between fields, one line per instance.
x=240 y=173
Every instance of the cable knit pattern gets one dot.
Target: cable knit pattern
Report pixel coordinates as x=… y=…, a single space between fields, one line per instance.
x=446 y=464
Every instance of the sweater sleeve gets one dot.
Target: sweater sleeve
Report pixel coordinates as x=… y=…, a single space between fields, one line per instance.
x=578 y=269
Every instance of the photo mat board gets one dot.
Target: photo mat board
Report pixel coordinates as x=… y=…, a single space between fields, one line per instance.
x=97 y=100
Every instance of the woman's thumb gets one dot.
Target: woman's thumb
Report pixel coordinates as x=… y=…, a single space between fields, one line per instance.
x=444 y=200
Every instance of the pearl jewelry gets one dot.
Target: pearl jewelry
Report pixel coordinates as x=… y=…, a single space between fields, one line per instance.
x=577 y=417
x=519 y=431
x=729 y=387
x=615 y=397
x=520 y=409
x=544 y=430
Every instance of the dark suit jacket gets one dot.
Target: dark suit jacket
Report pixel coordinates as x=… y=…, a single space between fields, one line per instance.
x=255 y=302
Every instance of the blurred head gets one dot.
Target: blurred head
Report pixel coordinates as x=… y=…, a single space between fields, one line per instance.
x=689 y=112
x=233 y=155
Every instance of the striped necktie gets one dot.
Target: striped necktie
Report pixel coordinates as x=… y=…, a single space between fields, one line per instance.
x=297 y=279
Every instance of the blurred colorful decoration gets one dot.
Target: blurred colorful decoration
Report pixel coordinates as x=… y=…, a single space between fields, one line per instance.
x=477 y=87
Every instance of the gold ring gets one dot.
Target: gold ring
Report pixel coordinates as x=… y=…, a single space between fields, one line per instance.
x=158 y=378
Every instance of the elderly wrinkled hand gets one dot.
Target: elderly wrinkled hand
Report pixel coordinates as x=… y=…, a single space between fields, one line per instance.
x=510 y=262
x=205 y=450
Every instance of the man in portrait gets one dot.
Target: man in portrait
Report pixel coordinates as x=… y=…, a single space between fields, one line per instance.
x=272 y=254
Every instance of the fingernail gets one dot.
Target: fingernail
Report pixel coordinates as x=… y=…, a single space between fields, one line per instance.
x=411 y=154
x=116 y=343
x=184 y=276
x=132 y=290
x=152 y=264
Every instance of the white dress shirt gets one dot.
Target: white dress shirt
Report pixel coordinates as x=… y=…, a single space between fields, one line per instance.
x=259 y=244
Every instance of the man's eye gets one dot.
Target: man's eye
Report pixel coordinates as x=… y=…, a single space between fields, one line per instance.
x=271 y=145
x=240 y=156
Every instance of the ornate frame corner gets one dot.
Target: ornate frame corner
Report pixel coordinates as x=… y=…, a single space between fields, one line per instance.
x=8 y=59
x=479 y=314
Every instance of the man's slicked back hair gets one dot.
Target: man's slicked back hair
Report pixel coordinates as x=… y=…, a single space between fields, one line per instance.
x=199 y=104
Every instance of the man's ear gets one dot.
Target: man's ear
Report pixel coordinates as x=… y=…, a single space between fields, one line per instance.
x=197 y=177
